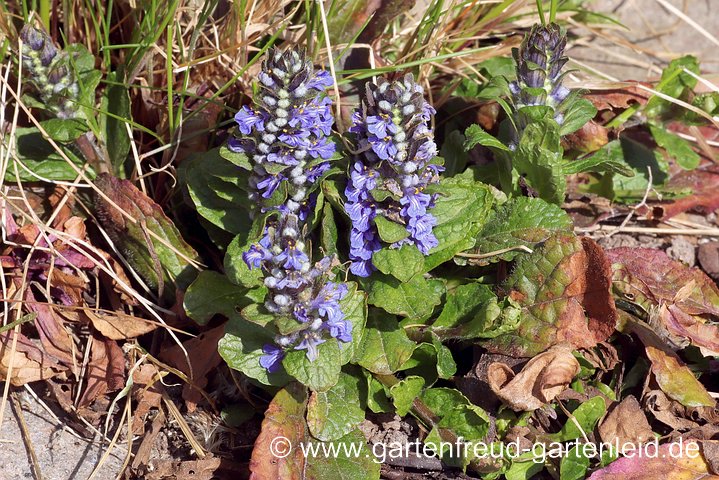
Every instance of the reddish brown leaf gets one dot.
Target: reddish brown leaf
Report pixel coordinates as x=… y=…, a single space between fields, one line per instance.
x=704 y=187
x=619 y=98
x=202 y=352
x=105 y=371
x=564 y=289
x=672 y=462
x=284 y=427
x=650 y=279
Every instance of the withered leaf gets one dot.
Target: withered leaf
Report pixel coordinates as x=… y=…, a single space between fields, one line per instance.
x=119 y=326
x=650 y=279
x=539 y=382
x=677 y=381
x=671 y=462
x=564 y=289
x=29 y=362
x=152 y=244
x=626 y=424
x=284 y=418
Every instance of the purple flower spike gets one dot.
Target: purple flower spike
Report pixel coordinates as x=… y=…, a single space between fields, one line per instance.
x=284 y=134
x=396 y=146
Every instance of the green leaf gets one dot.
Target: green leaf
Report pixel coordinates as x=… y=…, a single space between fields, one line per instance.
x=345 y=465
x=538 y=158
x=455 y=157
x=37 y=159
x=354 y=307
x=574 y=465
x=462 y=304
x=241 y=348
x=458 y=414
x=322 y=373
x=414 y=299
x=524 y=467
x=641 y=160
x=236 y=415
x=115 y=113
x=521 y=221
x=385 y=346
x=608 y=159
x=586 y=415
x=675 y=82
x=390 y=231
x=446 y=366
x=64 y=130
x=257 y=314
x=328 y=232
x=336 y=412
x=404 y=392
x=475 y=135
x=377 y=396
x=402 y=263
x=461 y=210
x=238 y=158
x=576 y=116
x=235 y=267
x=213 y=293
x=676 y=147
x=218 y=190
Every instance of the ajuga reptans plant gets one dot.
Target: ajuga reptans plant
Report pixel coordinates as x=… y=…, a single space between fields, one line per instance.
x=286 y=135
x=48 y=70
x=393 y=167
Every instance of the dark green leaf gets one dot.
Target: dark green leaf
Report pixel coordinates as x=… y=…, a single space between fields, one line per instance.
x=64 y=130
x=676 y=147
x=115 y=114
x=578 y=114
x=390 y=231
x=333 y=414
x=414 y=299
x=402 y=263
x=475 y=135
x=385 y=346
x=521 y=221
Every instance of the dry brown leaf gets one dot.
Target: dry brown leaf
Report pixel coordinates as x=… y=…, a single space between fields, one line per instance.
x=119 y=326
x=667 y=411
x=539 y=382
x=626 y=424
x=29 y=363
x=105 y=372
x=202 y=351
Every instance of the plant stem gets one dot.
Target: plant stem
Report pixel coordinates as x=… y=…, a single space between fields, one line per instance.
x=540 y=9
x=553 y=11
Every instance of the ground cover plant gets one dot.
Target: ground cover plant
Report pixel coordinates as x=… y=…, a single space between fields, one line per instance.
x=342 y=240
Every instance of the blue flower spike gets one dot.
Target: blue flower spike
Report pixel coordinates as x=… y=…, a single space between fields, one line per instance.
x=396 y=149
x=285 y=134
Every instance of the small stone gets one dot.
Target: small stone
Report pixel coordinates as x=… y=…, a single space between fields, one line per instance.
x=709 y=259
